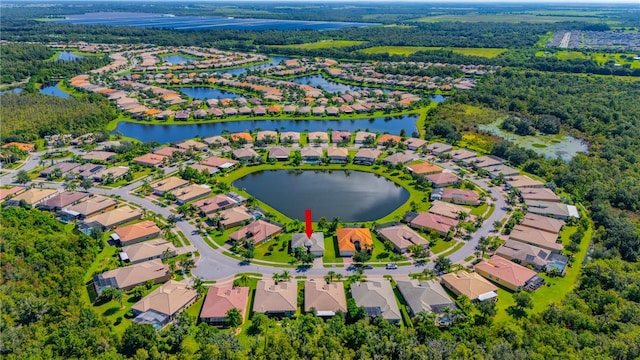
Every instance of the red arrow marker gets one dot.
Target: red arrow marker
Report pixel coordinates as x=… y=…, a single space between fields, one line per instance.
x=309 y=228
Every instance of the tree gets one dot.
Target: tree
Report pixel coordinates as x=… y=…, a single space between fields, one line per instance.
x=136 y=337
x=523 y=300
x=442 y=264
x=322 y=223
x=234 y=318
x=22 y=177
x=70 y=186
x=86 y=184
x=361 y=257
x=187 y=264
x=138 y=291
x=198 y=285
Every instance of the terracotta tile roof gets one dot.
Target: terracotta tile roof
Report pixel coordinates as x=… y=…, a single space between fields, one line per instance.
x=542 y=222
x=10 y=191
x=424 y=168
x=436 y=222
x=148 y=249
x=347 y=237
x=150 y=159
x=503 y=269
x=222 y=298
x=471 y=285
x=402 y=236
x=168 y=299
x=324 y=297
x=272 y=297
x=133 y=275
x=443 y=178
x=138 y=230
x=257 y=231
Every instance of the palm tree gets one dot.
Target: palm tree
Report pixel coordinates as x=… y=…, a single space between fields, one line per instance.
x=285 y=276
x=338 y=277
x=70 y=186
x=331 y=274
x=276 y=277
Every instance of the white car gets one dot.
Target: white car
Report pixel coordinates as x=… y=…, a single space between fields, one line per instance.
x=392 y=266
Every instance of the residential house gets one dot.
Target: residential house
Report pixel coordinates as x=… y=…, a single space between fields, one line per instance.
x=351 y=240
x=20 y=146
x=290 y=136
x=543 y=223
x=61 y=167
x=414 y=143
x=85 y=171
x=167 y=185
x=325 y=299
x=433 y=222
x=318 y=137
x=218 y=162
x=456 y=196
x=424 y=168
x=438 y=148
x=216 y=203
x=523 y=181
x=191 y=145
x=506 y=273
x=128 y=277
x=135 y=233
x=462 y=154
x=428 y=296
x=539 y=194
x=366 y=156
x=148 y=250
x=536 y=237
x=553 y=209
x=163 y=304
x=191 y=192
x=245 y=154
x=114 y=173
x=62 y=200
x=402 y=236
x=9 y=192
x=113 y=218
x=389 y=139
x=311 y=155
x=361 y=137
x=276 y=299
x=340 y=137
x=267 y=136
x=222 y=298
x=443 y=179
x=447 y=209
x=377 y=298
x=216 y=141
x=397 y=158
x=338 y=155
x=168 y=151
x=502 y=169
x=243 y=137
x=313 y=244
x=97 y=155
x=31 y=197
x=530 y=255
x=89 y=207
x=150 y=160
x=234 y=216
x=471 y=285
x=481 y=162
x=279 y=153
x=258 y=231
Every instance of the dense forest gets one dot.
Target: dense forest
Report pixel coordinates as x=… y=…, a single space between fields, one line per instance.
x=45 y=316
x=27 y=117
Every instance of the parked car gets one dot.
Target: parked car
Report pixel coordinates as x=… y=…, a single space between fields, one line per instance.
x=392 y=266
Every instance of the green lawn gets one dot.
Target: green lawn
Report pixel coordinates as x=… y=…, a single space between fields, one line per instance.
x=279 y=250
x=323 y=44
x=442 y=245
x=480 y=209
x=331 y=254
x=408 y=50
x=453 y=249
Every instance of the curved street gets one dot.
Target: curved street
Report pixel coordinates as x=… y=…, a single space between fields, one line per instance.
x=212 y=264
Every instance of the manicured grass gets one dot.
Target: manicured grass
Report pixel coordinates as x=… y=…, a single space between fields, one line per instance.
x=323 y=44
x=453 y=249
x=331 y=254
x=194 y=309
x=479 y=210
x=408 y=50
x=279 y=250
x=102 y=261
x=442 y=245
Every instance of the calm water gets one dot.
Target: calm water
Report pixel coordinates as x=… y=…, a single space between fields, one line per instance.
x=201 y=22
x=68 y=56
x=54 y=90
x=172 y=133
x=275 y=60
x=318 y=81
x=551 y=146
x=176 y=59
x=348 y=195
x=204 y=93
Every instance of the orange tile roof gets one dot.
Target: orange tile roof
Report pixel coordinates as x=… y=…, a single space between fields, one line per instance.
x=241 y=135
x=387 y=137
x=274 y=108
x=424 y=168
x=19 y=145
x=138 y=230
x=505 y=270
x=347 y=237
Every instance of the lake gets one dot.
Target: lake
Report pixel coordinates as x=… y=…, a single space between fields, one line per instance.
x=551 y=146
x=349 y=195
x=54 y=90
x=149 y=20
x=68 y=56
x=176 y=59
x=274 y=60
x=318 y=81
x=172 y=133
x=204 y=93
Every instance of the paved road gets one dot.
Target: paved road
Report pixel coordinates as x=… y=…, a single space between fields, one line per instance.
x=564 y=43
x=213 y=265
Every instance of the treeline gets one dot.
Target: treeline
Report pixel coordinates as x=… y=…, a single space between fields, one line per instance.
x=23 y=60
x=45 y=315
x=27 y=117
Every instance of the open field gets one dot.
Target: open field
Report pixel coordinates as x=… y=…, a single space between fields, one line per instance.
x=324 y=44
x=599 y=57
x=408 y=50
x=506 y=17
